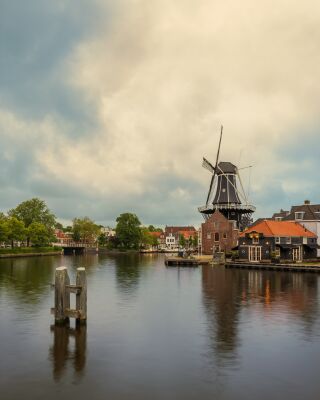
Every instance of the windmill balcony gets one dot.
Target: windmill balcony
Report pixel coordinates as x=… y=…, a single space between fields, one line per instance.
x=228 y=206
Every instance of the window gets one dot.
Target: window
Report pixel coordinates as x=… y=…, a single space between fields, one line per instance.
x=216 y=237
x=255 y=239
x=288 y=240
x=299 y=215
x=278 y=218
x=208 y=235
x=225 y=236
x=216 y=225
x=277 y=240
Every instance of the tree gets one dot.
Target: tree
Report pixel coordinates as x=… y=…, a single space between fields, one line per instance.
x=85 y=229
x=155 y=241
x=102 y=239
x=146 y=238
x=39 y=234
x=128 y=230
x=4 y=230
x=182 y=241
x=16 y=230
x=34 y=210
x=195 y=241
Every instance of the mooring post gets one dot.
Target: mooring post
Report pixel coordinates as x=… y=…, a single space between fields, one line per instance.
x=61 y=297
x=81 y=297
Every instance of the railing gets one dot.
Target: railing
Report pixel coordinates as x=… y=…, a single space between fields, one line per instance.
x=74 y=244
x=228 y=206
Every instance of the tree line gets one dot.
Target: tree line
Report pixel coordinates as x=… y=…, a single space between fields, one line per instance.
x=32 y=223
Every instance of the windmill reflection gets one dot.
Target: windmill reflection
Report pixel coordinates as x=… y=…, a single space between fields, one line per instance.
x=61 y=354
x=269 y=295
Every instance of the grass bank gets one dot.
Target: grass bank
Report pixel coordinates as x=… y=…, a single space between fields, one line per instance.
x=28 y=251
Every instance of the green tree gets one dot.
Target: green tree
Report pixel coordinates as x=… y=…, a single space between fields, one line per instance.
x=154 y=242
x=4 y=230
x=182 y=241
x=195 y=241
x=34 y=210
x=39 y=234
x=128 y=231
x=16 y=230
x=85 y=229
x=145 y=237
x=102 y=239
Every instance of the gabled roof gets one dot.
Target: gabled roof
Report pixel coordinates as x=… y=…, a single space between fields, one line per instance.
x=311 y=212
x=279 y=229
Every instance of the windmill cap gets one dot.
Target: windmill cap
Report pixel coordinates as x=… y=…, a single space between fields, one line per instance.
x=226 y=168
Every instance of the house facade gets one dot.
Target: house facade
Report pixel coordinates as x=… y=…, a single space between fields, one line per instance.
x=173 y=233
x=308 y=215
x=283 y=240
x=218 y=234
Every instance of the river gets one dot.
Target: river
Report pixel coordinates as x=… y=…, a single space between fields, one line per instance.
x=157 y=332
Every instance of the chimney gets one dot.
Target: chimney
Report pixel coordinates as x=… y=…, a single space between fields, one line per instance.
x=307 y=202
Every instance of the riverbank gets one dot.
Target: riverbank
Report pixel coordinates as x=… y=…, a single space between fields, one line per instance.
x=29 y=252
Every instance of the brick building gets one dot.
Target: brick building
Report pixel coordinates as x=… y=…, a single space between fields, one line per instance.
x=218 y=234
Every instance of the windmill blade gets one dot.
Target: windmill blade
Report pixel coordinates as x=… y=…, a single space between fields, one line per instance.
x=249 y=166
x=215 y=168
x=207 y=165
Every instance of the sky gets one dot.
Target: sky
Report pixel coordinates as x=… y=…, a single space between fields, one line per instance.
x=108 y=106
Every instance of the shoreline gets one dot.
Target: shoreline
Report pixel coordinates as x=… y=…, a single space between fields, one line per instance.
x=19 y=255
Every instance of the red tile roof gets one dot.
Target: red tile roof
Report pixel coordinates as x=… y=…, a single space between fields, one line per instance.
x=279 y=228
x=155 y=234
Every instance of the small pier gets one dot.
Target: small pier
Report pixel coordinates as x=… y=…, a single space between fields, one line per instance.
x=275 y=267
x=180 y=261
x=62 y=290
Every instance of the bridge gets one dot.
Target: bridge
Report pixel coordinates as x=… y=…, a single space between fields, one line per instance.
x=75 y=247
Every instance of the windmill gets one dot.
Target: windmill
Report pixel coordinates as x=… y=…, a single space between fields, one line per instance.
x=224 y=195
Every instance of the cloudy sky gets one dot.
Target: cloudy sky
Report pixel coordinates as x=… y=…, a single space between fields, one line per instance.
x=108 y=106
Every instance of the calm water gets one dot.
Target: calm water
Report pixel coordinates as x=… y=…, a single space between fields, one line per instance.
x=160 y=333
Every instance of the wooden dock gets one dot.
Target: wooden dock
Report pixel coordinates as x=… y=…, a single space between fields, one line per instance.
x=180 y=261
x=187 y=262
x=275 y=267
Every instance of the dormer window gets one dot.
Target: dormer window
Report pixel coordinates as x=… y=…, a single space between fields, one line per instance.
x=288 y=240
x=299 y=215
x=255 y=239
x=278 y=240
x=279 y=218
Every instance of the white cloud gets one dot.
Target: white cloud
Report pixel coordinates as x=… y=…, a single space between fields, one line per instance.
x=164 y=76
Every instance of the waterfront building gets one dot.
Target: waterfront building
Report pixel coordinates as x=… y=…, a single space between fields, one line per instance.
x=218 y=234
x=284 y=240
x=173 y=233
x=308 y=215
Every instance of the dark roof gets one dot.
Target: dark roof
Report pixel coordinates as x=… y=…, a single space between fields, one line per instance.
x=281 y=214
x=226 y=168
x=311 y=212
x=258 y=221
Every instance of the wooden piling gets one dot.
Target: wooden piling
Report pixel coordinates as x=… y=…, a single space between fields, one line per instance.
x=81 y=296
x=63 y=289
x=61 y=298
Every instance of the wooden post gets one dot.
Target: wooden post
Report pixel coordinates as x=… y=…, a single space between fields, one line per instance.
x=81 y=297
x=61 y=298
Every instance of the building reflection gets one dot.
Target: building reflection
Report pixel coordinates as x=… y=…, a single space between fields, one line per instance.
x=271 y=295
x=220 y=290
x=63 y=353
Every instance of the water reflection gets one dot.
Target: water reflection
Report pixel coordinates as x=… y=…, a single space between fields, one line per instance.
x=127 y=272
x=220 y=298
x=60 y=353
x=269 y=295
x=27 y=278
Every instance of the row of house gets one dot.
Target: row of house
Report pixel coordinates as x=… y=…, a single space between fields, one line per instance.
x=169 y=239
x=287 y=235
